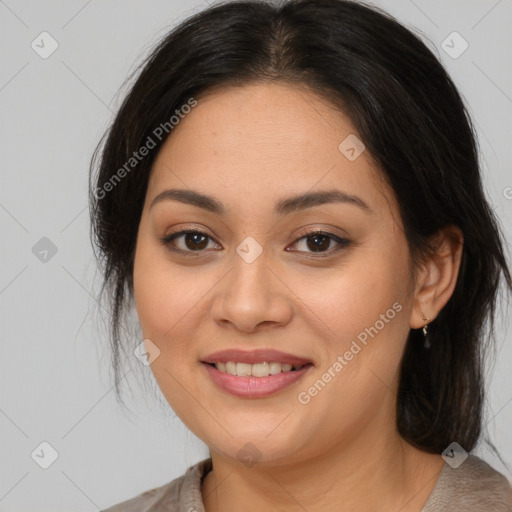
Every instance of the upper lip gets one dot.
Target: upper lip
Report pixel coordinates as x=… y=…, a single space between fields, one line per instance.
x=255 y=356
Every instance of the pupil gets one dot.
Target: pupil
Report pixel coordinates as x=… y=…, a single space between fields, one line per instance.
x=195 y=237
x=317 y=247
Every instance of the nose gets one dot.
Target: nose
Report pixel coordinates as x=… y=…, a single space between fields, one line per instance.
x=252 y=296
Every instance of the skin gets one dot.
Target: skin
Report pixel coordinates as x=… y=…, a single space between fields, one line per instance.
x=249 y=147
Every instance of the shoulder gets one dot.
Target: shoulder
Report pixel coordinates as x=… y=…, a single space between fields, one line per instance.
x=182 y=493
x=474 y=485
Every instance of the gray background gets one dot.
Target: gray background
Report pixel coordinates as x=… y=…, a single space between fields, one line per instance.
x=55 y=374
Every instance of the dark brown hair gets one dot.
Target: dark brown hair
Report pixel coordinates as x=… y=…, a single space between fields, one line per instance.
x=413 y=122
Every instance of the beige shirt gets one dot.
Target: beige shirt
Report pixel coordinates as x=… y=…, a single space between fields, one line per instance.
x=472 y=487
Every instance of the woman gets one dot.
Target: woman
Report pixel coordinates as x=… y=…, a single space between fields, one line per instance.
x=291 y=196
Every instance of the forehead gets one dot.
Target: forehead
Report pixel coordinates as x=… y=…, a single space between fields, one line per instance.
x=261 y=142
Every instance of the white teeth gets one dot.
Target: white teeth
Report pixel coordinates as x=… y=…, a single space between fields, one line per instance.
x=230 y=368
x=260 y=370
x=256 y=370
x=243 y=369
x=275 y=368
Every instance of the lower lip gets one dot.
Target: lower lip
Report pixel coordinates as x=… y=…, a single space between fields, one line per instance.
x=255 y=387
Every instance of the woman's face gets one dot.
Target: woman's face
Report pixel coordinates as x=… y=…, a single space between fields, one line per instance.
x=258 y=277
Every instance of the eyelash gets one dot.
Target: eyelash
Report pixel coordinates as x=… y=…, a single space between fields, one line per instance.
x=343 y=242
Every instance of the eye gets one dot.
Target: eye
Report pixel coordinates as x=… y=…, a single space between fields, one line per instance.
x=319 y=241
x=193 y=241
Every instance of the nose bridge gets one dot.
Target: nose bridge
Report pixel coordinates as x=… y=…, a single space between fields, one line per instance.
x=250 y=294
x=249 y=260
x=250 y=276
x=252 y=271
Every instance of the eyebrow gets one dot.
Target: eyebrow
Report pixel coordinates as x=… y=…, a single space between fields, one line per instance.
x=282 y=207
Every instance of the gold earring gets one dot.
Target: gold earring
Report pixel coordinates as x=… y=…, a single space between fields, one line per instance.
x=426 y=325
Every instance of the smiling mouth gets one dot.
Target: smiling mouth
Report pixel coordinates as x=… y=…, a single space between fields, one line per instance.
x=263 y=369
x=261 y=383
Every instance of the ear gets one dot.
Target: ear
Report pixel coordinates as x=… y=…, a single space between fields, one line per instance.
x=437 y=277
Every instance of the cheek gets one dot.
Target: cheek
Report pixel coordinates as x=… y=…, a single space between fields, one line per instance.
x=166 y=304
x=366 y=309
x=163 y=296
x=354 y=298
